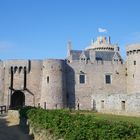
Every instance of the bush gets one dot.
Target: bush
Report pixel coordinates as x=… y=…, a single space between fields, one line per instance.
x=24 y=111
x=63 y=124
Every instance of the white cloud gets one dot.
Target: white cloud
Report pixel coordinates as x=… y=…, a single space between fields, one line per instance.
x=102 y=30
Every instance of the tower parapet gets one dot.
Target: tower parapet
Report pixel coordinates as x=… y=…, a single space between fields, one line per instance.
x=102 y=43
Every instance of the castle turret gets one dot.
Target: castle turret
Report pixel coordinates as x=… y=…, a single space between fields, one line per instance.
x=53 y=93
x=102 y=43
x=133 y=68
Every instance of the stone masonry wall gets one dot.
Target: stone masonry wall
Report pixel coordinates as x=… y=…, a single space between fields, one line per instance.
x=53 y=94
x=95 y=81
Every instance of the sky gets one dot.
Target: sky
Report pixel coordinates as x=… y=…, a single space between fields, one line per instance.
x=40 y=29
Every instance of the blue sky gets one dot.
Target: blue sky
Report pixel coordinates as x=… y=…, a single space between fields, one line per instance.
x=40 y=29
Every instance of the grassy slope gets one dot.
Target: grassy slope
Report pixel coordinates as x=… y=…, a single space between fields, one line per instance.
x=117 y=118
x=135 y=120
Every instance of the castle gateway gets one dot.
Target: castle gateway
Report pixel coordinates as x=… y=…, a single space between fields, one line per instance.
x=96 y=78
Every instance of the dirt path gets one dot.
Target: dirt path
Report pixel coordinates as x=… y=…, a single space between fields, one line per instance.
x=9 y=130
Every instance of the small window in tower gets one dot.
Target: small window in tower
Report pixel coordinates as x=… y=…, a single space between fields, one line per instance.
x=82 y=78
x=20 y=69
x=48 y=79
x=123 y=105
x=44 y=105
x=15 y=69
x=134 y=62
x=102 y=104
x=133 y=75
x=39 y=105
x=108 y=79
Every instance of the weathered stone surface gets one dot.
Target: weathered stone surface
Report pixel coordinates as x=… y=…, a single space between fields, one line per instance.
x=54 y=83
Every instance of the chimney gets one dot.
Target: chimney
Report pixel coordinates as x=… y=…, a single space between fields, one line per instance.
x=69 y=48
x=116 y=48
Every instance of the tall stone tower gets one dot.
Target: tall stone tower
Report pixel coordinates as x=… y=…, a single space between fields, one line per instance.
x=133 y=68
x=53 y=94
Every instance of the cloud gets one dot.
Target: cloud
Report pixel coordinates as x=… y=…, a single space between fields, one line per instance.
x=102 y=30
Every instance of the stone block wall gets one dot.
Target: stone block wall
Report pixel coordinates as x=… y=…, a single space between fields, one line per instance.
x=53 y=93
x=95 y=80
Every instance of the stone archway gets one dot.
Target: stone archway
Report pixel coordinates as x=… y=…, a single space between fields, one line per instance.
x=17 y=99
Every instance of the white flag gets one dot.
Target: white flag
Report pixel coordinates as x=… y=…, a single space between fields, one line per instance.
x=102 y=30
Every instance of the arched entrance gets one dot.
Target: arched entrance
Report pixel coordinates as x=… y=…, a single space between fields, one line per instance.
x=17 y=99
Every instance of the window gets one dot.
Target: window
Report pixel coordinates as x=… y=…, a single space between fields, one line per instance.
x=78 y=106
x=82 y=58
x=38 y=104
x=20 y=69
x=134 y=62
x=133 y=75
x=102 y=104
x=123 y=105
x=15 y=69
x=108 y=79
x=82 y=78
x=94 y=105
x=44 y=105
x=48 y=79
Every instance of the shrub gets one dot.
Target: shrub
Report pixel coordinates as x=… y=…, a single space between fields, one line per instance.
x=64 y=124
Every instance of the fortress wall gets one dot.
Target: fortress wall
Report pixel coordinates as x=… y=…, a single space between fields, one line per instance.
x=95 y=80
x=53 y=94
x=108 y=102
x=2 y=69
x=34 y=77
x=70 y=86
x=120 y=104
x=17 y=79
x=133 y=69
x=54 y=84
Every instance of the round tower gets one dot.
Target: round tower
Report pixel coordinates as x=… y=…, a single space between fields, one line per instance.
x=53 y=95
x=133 y=68
x=102 y=43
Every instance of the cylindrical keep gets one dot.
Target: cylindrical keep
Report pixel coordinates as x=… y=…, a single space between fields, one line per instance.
x=53 y=95
x=133 y=68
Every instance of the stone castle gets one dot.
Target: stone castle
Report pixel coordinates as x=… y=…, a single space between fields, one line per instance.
x=96 y=78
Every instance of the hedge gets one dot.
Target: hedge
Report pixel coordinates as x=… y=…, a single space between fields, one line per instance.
x=74 y=126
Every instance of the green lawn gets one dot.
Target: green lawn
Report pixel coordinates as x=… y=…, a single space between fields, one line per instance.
x=135 y=120
x=101 y=116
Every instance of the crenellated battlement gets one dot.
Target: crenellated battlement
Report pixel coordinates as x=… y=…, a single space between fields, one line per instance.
x=132 y=49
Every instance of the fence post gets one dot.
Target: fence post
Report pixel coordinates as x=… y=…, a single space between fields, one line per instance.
x=3 y=109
